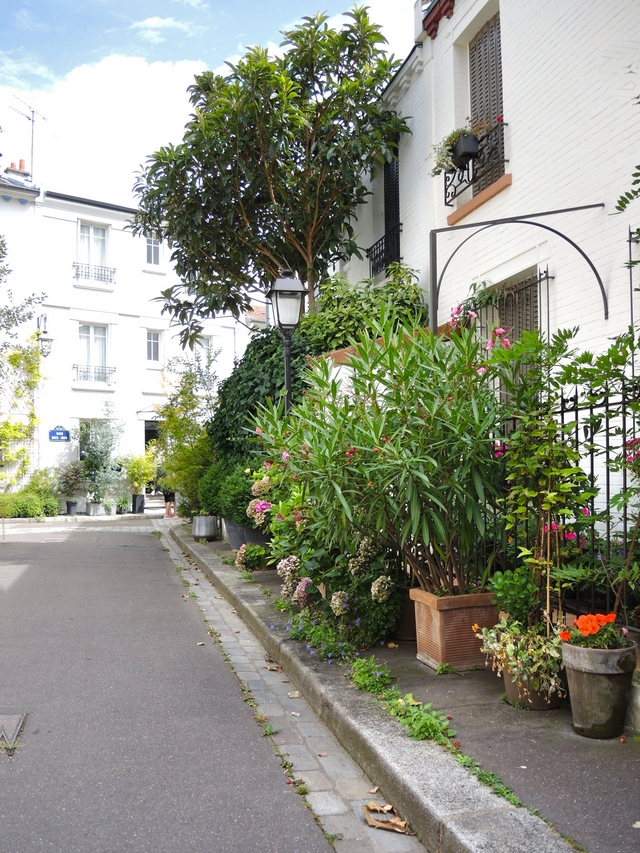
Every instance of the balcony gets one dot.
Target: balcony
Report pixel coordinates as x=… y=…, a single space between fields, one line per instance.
x=91 y=272
x=385 y=251
x=91 y=373
x=480 y=172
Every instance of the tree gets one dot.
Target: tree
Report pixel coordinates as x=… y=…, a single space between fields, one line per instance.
x=272 y=167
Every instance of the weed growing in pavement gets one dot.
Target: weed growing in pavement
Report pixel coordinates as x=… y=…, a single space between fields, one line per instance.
x=248 y=577
x=156 y=533
x=268 y=730
x=226 y=559
x=283 y=605
x=300 y=787
x=203 y=541
x=419 y=719
x=166 y=549
x=192 y=594
x=368 y=675
x=445 y=669
x=185 y=582
x=491 y=780
x=266 y=591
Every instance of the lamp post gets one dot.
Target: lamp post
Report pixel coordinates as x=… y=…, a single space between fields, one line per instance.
x=44 y=341
x=287 y=299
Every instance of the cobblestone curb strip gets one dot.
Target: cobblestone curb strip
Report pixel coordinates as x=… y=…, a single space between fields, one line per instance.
x=448 y=809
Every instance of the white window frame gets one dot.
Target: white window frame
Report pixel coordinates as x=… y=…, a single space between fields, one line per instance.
x=90 y=274
x=154 y=251
x=154 y=363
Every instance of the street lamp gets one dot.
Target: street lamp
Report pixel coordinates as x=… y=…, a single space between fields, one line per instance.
x=287 y=299
x=44 y=341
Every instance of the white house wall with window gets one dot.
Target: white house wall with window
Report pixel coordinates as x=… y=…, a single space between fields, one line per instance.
x=558 y=86
x=111 y=342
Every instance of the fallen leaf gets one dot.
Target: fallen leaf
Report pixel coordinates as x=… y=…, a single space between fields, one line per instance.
x=295 y=694
x=201 y=644
x=392 y=824
x=286 y=681
x=295 y=713
x=322 y=754
x=373 y=790
x=233 y=610
x=274 y=667
x=636 y=825
x=392 y=645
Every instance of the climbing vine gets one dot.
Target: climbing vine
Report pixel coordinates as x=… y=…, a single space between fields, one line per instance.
x=19 y=378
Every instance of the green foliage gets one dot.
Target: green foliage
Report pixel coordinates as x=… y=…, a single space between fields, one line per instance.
x=420 y=720
x=99 y=440
x=272 y=167
x=123 y=504
x=139 y=470
x=323 y=639
x=515 y=593
x=343 y=309
x=210 y=494
x=367 y=674
x=445 y=669
x=184 y=449
x=407 y=456
x=236 y=495
x=26 y=505
x=254 y=556
x=12 y=315
x=19 y=378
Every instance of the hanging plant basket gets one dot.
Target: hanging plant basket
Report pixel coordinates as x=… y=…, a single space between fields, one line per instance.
x=466 y=148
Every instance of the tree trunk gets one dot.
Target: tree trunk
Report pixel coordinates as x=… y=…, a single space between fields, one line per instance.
x=311 y=297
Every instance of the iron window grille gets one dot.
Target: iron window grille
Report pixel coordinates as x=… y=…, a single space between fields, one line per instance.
x=385 y=251
x=92 y=373
x=482 y=171
x=93 y=273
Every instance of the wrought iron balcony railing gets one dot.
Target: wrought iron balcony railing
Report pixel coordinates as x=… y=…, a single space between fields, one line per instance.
x=487 y=167
x=93 y=272
x=385 y=251
x=91 y=373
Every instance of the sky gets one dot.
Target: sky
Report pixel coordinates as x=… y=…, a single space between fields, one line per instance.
x=107 y=79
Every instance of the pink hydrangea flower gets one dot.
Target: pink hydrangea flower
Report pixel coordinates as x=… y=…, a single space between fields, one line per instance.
x=262 y=506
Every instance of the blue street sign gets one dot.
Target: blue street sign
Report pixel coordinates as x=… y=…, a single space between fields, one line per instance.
x=59 y=434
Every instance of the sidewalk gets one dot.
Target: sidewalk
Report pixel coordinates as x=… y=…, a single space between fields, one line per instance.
x=589 y=790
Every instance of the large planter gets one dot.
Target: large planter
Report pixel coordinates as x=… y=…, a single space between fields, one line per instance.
x=465 y=149
x=137 y=502
x=443 y=627
x=405 y=630
x=238 y=536
x=599 y=687
x=205 y=527
x=535 y=700
x=72 y=507
x=95 y=508
x=235 y=534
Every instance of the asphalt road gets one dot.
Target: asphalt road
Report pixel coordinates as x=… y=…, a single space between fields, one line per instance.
x=137 y=739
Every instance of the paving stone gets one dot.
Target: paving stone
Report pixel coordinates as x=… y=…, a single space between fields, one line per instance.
x=287 y=736
x=347 y=826
x=354 y=789
x=348 y=846
x=326 y=803
x=299 y=757
x=315 y=779
x=337 y=768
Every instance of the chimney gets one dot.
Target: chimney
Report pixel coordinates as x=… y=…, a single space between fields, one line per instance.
x=20 y=173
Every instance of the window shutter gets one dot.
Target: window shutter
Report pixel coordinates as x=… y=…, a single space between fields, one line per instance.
x=485 y=85
x=391 y=194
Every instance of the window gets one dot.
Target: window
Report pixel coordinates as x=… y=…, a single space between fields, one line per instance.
x=153 y=346
x=485 y=79
x=153 y=251
x=202 y=349
x=93 y=355
x=92 y=254
x=387 y=250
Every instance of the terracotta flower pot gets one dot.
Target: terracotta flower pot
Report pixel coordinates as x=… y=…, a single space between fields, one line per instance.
x=536 y=700
x=443 y=627
x=599 y=687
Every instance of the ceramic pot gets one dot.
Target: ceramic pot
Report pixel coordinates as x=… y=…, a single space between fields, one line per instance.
x=205 y=527
x=536 y=700
x=599 y=687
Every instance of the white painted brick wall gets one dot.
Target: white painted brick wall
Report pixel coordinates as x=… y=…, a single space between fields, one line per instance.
x=573 y=138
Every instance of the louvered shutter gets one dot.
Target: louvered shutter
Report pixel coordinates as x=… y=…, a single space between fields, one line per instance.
x=392 y=209
x=485 y=83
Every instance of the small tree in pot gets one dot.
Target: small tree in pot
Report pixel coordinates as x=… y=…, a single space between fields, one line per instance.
x=70 y=481
x=138 y=471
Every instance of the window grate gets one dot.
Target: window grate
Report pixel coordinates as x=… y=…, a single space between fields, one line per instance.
x=91 y=373
x=93 y=273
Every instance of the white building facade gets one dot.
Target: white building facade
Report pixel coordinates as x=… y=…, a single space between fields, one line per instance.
x=559 y=85
x=111 y=342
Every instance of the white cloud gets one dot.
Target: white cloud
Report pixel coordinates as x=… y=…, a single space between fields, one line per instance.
x=103 y=120
x=23 y=72
x=26 y=21
x=151 y=28
x=195 y=4
x=396 y=20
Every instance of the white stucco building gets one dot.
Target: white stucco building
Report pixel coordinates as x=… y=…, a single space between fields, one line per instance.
x=559 y=83
x=110 y=339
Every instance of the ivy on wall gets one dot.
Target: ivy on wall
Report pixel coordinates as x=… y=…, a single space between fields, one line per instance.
x=20 y=375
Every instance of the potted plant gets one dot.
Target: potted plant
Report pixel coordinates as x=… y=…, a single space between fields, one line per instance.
x=600 y=663
x=406 y=458
x=70 y=480
x=210 y=498
x=122 y=506
x=98 y=440
x=236 y=497
x=138 y=471
x=529 y=661
x=109 y=507
x=458 y=147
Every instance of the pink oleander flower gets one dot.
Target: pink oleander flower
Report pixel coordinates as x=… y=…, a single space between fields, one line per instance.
x=481 y=370
x=585 y=510
x=267 y=465
x=490 y=344
x=569 y=534
x=506 y=343
x=472 y=314
x=500 y=331
x=554 y=527
x=285 y=455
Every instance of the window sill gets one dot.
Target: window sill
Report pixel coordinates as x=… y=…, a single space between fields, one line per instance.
x=480 y=199
x=153 y=272
x=153 y=366
x=94 y=286
x=77 y=385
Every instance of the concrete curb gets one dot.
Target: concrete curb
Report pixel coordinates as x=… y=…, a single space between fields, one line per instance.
x=449 y=810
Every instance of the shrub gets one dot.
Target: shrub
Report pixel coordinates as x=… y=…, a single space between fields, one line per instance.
x=70 y=479
x=26 y=505
x=236 y=496
x=210 y=493
x=50 y=505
